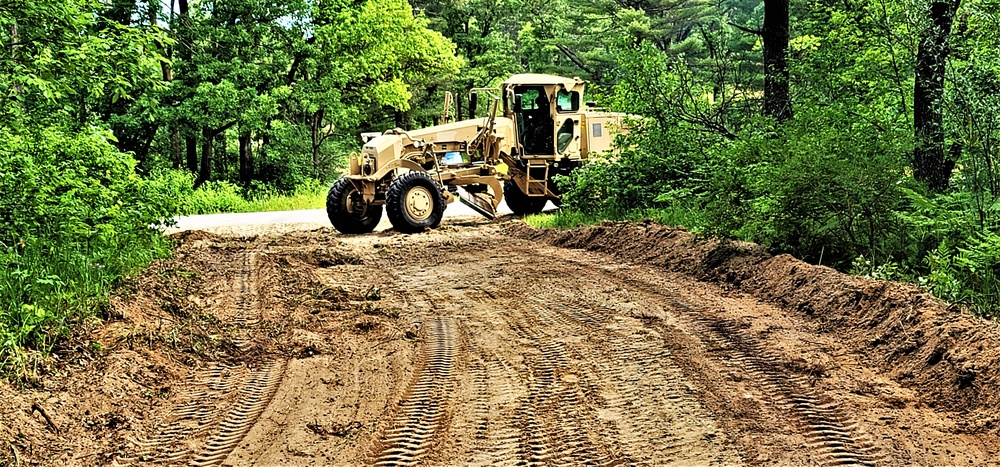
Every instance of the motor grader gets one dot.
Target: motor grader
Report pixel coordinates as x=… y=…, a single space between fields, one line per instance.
x=535 y=129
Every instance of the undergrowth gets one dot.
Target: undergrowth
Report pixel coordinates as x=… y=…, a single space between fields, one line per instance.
x=224 y=197
x=76 y=221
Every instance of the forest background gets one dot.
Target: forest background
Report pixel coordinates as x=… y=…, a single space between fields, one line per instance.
x=858 y=134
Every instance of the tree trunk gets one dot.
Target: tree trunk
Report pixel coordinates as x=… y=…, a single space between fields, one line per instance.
x=205 y=171
x=175 y=147
x=931 y=163
x=191 y=153
x=774 y=35
x=316 y=129
x=120 y=11
x=220 y=155
x=14 y=39
x=246 y=160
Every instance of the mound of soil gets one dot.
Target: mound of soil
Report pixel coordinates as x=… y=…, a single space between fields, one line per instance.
x=951 y=358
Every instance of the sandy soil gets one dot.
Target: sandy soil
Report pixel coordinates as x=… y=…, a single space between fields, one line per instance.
x=499 y=344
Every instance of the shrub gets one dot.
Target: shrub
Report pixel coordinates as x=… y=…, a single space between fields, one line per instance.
x=76 y=218
x=821 y=185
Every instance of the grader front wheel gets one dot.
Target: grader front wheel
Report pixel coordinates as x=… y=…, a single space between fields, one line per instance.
x=348 y=211
x=414 y=203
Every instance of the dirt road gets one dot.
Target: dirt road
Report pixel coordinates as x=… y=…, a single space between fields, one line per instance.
x=481 y=344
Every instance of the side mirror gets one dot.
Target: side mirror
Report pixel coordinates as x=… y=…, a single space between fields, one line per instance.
x=473 y=103
x=517 y=103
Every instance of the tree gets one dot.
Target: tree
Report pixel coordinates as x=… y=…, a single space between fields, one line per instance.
x=932 y=164
x=777 y=100
x=360 y=65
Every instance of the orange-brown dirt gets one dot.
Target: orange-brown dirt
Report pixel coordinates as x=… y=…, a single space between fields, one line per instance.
x=485 y=344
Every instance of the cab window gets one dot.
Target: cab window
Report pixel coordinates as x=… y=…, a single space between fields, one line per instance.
x=529 y=98
x=568 y=101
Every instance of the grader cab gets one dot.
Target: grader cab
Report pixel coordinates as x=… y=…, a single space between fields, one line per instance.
x=536 y=128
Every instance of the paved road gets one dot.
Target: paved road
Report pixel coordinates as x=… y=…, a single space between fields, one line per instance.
x=307 y=219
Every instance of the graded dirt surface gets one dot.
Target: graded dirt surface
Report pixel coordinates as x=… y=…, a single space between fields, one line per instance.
x=499 y=344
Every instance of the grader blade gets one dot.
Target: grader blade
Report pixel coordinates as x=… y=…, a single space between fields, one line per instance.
x=477 y=203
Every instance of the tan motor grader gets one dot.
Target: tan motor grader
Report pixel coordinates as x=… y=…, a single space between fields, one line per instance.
x=536 y=128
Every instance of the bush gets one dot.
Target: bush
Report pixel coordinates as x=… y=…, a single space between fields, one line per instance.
x=659 y=168
x=76 y=218
x=950 y=251
x=821 y=185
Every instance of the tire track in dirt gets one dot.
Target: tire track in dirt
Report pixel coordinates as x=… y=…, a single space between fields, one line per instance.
x=551 y=435
x=556 y=380
x=538 y=444
x=657 y=415
x=192 y=417
x=423 y=411
x=832 y=434
x=249 y=309
x=254 y=398
x=198 y=415
x=496 y=439
x=219 y=405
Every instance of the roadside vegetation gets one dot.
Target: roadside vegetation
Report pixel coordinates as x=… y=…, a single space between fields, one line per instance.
x=859 y=135
x=116 y=116
x=876 y=155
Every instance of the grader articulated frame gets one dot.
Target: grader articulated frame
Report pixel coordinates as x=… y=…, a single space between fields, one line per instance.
x=534 y=130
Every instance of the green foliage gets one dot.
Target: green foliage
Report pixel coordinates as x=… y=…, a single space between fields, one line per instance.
x=222 y=197
x=562 y=219
x=310 y=194
x=76 y=219
x=54 y=64
x=821 y=184
x=950 y=252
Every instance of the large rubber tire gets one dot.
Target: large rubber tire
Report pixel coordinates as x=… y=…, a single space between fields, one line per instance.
x=345 y=215
x=414 y=202
x=520 y=203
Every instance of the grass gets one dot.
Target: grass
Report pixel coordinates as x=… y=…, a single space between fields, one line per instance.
x=568 y=219
x=561 y=219
x=46 y=290
x=224 y=197
x=293 y=202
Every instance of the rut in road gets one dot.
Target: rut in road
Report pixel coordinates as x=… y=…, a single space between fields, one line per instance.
x=552 y=379
x=423 y=411
x=659 y=418
x=202 y=414
x=254 y=398
x=218 y=406
x=833 y=436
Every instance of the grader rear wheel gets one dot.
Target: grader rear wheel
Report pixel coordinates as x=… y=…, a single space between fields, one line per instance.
x=414 y=203
x=347 y=209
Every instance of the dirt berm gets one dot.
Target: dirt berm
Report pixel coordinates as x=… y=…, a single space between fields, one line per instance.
x=951 y=358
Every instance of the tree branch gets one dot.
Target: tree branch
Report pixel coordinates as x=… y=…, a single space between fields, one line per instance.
x=756 y=32
x=573 y=58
